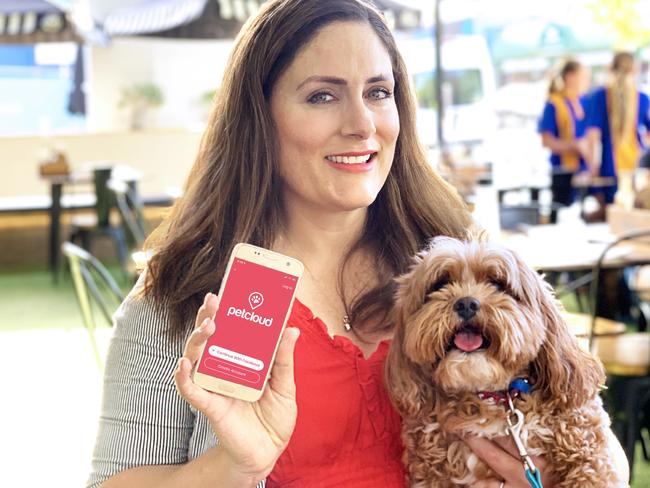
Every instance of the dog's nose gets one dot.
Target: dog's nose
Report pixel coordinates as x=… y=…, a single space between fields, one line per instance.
x=467 y=307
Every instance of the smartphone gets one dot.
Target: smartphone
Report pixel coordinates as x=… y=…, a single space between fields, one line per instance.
x=256 y=297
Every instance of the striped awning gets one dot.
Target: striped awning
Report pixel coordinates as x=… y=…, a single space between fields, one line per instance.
x=33 y=21
x=210 y=19
x=152 y=16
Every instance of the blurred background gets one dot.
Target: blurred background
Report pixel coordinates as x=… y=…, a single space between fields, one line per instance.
x=102 y=106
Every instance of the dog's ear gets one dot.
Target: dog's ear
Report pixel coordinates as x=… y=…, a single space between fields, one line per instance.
x=409 y=389
x=409 y=293
x=562 y=370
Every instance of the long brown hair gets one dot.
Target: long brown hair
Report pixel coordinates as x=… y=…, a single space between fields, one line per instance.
x=622 y=117
x=233 y=191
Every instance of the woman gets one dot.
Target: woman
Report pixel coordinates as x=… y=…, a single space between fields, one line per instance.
x=562 y=128
x=309 y=82
x=617 y=122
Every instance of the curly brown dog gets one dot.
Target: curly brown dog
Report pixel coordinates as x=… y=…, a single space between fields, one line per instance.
x=471 y=318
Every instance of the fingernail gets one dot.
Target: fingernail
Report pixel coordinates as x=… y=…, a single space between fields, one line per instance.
x=205 y=299
x=178 y=363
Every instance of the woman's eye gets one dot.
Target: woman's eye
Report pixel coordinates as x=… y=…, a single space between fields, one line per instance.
x=320 y=97
x=379 y=94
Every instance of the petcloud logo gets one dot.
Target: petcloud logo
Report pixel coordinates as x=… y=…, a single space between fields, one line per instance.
x=255 y=299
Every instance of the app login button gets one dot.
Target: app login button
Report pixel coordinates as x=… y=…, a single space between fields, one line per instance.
x=236 y=358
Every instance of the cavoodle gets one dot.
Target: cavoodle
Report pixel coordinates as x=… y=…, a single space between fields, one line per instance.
x=475 y=326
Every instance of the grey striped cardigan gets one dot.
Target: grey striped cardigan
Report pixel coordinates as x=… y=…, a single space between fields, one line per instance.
x=143 y=420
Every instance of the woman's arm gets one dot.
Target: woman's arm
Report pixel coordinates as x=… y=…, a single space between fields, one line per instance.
x=559 y=146
x=213 y=469
x=592 y=153
x=619 y=459
x=147 y=429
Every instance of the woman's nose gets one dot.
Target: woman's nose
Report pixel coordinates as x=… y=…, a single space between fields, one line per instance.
x=358 y=120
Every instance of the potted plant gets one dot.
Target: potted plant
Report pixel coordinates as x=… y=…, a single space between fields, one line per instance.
x=140 y=98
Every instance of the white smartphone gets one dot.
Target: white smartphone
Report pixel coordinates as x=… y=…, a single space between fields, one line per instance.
x=256 y=297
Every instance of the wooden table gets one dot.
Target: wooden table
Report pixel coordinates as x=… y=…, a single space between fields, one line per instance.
x=573 y=247
x=77 y=177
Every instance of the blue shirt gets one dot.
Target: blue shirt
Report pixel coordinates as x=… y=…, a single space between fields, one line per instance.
x=548 y=123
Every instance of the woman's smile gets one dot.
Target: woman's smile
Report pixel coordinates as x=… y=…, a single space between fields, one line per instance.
x=353 y=162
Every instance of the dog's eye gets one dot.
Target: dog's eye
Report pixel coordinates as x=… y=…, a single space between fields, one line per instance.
x=502 y=286
x=439 y=284
x=498 y=284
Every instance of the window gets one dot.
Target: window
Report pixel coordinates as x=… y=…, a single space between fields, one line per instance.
x=35 y=86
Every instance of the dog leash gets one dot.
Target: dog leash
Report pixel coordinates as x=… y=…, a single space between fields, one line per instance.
x=515 y=420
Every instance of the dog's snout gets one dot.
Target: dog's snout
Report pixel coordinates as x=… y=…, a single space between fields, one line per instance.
x=467 y=307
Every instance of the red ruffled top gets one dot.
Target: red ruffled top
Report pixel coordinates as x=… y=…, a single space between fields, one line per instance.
x=347 y=433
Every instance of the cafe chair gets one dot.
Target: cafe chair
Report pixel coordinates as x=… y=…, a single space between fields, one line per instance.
x=638 y=281
x=95 y=289
x=513 y=217
x=86 y=228
x=626 y=358
x=562 y=192
x=130 y=207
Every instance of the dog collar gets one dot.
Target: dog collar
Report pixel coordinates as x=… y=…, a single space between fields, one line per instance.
x=515 y=389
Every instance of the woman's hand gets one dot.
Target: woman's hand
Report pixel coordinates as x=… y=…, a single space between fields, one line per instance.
x=502 y=456
x=252 y=434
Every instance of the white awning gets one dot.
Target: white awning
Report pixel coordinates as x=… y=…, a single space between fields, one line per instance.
x=152 y=16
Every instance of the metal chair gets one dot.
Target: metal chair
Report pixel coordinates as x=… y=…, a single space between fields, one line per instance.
x=85 y=229
x=94 y=287
x=626 y=359
x=130 y=208
x=512 y=217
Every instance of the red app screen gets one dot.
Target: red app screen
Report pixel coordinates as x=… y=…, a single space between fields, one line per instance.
x=248 y=323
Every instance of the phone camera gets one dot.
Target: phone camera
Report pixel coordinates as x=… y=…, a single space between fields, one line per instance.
x=288 y=263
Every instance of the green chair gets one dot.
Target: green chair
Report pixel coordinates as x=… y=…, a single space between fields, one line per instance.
x=95 y=289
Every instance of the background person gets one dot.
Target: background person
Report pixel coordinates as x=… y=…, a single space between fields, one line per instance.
x=618 y=119
x=562 y=127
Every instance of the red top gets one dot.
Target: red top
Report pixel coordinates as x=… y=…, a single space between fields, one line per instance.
x=347 y=432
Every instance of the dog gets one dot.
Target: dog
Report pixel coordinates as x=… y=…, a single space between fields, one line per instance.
x=472 y=319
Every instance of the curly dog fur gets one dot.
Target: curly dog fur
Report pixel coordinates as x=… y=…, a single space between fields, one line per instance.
x=434 y=384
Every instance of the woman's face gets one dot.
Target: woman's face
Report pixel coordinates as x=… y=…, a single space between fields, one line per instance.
x=579 y=80
x=336 y=119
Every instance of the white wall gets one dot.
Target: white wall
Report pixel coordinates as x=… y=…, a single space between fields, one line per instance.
x=165 y=150
x=184 y=70
x=163 y=156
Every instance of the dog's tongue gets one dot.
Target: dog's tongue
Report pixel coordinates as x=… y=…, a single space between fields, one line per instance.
x=468 y=341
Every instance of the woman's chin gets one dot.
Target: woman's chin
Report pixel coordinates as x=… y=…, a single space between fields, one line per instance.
x=356 y=200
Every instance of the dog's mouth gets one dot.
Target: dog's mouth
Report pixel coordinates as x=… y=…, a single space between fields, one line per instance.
x=469 y=338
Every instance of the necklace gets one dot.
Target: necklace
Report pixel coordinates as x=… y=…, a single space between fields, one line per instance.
x=347 y=326
x=346 y=323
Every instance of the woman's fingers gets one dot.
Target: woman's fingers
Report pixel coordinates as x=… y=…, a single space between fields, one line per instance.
x=196 y=396
x=510 y=468
x=196 y=342
x=207 y=310
x=507 y=444
x=203 y=328
x=282 y=380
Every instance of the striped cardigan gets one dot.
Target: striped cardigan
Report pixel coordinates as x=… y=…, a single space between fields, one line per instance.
x=143 y=419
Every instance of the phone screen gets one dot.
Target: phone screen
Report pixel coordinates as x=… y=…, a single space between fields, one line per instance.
x=251 y=313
